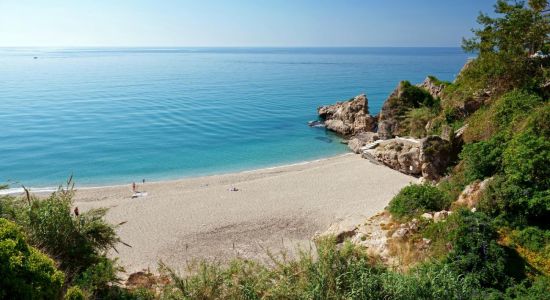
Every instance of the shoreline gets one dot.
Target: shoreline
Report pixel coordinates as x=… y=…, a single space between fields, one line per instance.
x=51 y=189
x=276 y=209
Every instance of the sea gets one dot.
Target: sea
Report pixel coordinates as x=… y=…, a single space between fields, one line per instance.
x=116 y=115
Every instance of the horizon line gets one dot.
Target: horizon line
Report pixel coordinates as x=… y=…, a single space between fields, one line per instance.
x=234 y=47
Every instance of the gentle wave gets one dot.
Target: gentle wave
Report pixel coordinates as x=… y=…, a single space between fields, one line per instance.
x=119 y=115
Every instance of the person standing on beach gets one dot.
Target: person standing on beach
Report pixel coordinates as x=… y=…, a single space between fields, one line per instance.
x=133 y=187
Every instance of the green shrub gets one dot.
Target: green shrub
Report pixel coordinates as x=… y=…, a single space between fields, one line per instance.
x=75 y=293
x=503 y=45
x=416 y=199
x=537 y=290
x=526 y=159
x=77 y=242
x=99 y=277
x=475 y=250
x=482 y=159
x=533 y=238
x=437 y=81
x=521 y=192
x=415 y=96
x=26 y=273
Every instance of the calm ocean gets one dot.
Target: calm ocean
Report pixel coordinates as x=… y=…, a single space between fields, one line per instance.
x=112 y=116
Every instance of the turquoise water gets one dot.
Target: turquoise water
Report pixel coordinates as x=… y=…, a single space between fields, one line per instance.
x=119 y=115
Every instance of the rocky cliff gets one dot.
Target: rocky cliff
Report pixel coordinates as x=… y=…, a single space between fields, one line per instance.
x=405 y=97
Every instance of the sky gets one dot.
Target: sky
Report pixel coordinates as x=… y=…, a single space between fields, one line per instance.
x=238 y=23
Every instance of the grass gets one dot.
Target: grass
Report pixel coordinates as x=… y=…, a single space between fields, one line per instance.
x=331 y=272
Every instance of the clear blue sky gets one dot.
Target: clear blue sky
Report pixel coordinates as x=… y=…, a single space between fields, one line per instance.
x=61 y=23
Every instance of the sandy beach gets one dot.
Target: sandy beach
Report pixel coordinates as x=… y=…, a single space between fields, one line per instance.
x=274 y=209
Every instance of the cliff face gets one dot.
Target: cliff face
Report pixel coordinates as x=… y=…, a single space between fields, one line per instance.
x=393 y=108
x=392 y=119
x=349 y=117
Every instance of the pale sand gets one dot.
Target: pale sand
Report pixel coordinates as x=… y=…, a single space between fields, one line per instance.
x=274 y=209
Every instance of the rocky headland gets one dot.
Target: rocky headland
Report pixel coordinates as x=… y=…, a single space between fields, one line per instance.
x=385 y=139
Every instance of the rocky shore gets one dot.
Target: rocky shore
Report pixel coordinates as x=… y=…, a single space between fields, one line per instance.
x=384 y=140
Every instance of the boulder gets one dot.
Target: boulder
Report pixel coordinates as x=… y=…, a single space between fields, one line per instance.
x=349 y=117
x=360 y=140
x=428 y=157
x=427 y=216
x=472 y=193
x=433 y=86
x=400 y=233
x=399 y=154
x=435 y=156
x=341 y=231
x=440 y=216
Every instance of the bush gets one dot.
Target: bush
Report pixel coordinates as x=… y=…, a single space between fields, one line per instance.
x=482 y=159
x=475 y=250
x=504 y=116
x=453 y=185
x=504 y=43
x=521 y=192
x=416 y=199
x=415 y=96
x=26 y=273
x=77 y=242
x=514 y=107
x=537 y=290
x=528 y=155
x=99 y=277
x=437 y=81
x=534 y=239
x=75 y=293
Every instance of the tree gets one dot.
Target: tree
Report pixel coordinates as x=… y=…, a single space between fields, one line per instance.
x=504 y=44
x=519 y=29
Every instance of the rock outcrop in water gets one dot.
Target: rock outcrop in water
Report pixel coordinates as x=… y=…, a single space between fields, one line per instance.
x=349 y=117
x=427 y=157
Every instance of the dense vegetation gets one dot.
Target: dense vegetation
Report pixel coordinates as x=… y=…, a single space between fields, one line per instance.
x=26 y=272
x=499 y=250
x=414 y=200
x=77 y=243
